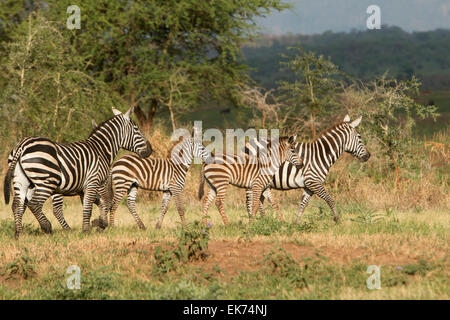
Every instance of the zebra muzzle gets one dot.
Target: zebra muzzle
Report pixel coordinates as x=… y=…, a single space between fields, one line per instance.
x=147 y=152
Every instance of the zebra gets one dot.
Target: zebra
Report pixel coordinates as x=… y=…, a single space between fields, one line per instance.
x=46 y=167
x=247 y=172
x=57 y=199
x=318 y=156
x=167 y=175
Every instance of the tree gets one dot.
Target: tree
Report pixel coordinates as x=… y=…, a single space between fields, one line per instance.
x=135 y=46
x=48 y=91
x=311 y=92
x=264 y=107
x=390 y=113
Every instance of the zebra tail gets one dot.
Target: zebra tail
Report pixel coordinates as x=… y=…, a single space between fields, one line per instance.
x=201 y=187
x=9 y=174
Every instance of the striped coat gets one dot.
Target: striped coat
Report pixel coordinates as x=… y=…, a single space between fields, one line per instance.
x=41 y=168
x=318 y=156
x=130 y=173
x=252 y=173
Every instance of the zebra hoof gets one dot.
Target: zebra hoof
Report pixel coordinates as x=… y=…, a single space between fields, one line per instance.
x=47 y=228
x=99 y=224
x=142 y=227
x=86 y=229
x=158 y=226
x=336 y=220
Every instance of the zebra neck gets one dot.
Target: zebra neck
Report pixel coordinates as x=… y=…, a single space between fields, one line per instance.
x=270 y=165
x=324 y=151
x=183 y=163
x=106 y=143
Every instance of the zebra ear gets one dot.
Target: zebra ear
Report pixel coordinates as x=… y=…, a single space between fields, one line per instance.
x=347 y=118
x=128 y=114
x=356 y=122
x=94 y=124
x=115 y=111
x=196 y=134
x=292 y=139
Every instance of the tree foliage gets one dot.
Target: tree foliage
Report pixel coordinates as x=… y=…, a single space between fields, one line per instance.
x=310 y=96
x=47 y=92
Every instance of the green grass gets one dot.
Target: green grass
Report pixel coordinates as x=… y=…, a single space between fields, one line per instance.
x=268 y=259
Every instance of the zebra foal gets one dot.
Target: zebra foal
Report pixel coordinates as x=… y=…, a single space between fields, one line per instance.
x=41 y=168
x=243 y=171
x=167 y=175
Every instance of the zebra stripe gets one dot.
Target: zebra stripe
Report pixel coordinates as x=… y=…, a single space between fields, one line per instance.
x=318 y=156
x=167 y=175
x=46 y=168
x=243 y=171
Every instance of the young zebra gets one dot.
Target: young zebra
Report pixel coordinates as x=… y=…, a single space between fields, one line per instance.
x=242 y=171
x=318 y=156
x=167 y=175
x=46 y=167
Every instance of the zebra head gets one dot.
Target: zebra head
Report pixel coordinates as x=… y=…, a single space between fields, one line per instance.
x=354 y=144
x=132 y=138
x=288 y=152
x=197 y=147
x=190 y=147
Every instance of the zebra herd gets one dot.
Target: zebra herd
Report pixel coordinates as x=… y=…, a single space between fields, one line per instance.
x=39 y=168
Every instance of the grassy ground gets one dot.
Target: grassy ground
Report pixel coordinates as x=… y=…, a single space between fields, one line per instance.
x=266 y=260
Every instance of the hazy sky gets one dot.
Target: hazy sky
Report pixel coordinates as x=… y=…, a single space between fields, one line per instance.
x=317 y=16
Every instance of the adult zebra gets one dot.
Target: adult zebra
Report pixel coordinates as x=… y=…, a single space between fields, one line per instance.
x=46 y=167
x=167 y=175
x=318 y=156
x=247 y=172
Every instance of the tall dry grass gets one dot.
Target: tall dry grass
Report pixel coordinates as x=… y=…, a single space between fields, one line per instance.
x=423 y=181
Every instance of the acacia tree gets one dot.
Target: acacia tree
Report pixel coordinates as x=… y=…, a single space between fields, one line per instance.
x=390 y=113
x=135 y=47
x=47 y=91
x=264 y=106
x=311 y=95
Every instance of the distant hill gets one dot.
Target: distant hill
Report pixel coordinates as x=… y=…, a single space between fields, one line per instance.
x=361 y=54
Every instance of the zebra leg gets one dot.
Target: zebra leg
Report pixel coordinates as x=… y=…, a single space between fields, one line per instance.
x=57 y=200
x=40 y=195
x=120 y=193
x=105 y=203
x=268 y=194
x=257 y=189
x=323 y=194
x=19 y=204
x=179 y=202
x=207 y=202
x=220 y=202
x=90 y=194
x=131 y=204
x=303 y=203
x=248 y=201
x=165 y=205
x=18 y=208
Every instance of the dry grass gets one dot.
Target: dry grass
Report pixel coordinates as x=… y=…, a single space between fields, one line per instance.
x=383 y=224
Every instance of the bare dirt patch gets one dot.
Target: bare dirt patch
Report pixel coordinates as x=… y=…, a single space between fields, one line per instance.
x=233 y=257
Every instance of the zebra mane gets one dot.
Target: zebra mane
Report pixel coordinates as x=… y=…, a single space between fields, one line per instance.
x=174 y=144
x=98 y=127
x=324 y=132
x=259 y=145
